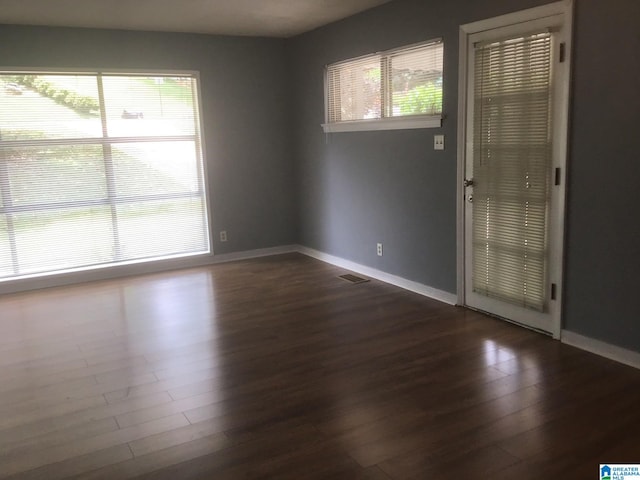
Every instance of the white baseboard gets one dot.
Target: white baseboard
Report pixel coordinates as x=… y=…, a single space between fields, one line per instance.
x=607 y=350
x=248 y=254
x=612 y=352
x=436 y=294
x=143 y=268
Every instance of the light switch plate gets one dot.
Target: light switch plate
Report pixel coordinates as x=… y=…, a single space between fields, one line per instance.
x=438 y=142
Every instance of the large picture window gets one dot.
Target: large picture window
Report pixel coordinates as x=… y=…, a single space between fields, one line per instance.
x=400 y=88
x=98 y=169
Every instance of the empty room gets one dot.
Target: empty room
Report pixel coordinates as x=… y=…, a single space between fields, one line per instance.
x=356 y=239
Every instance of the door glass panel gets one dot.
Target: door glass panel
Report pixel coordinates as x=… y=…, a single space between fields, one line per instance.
x=511 y=170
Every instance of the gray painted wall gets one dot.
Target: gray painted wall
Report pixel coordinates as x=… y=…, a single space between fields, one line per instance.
x=356 y=189
x=603 y=261
x=243 y=85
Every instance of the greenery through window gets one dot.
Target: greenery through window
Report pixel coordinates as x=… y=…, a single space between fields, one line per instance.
x=97 y=169
x=406 y=82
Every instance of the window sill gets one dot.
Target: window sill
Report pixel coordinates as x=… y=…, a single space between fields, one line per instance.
x=396 y=123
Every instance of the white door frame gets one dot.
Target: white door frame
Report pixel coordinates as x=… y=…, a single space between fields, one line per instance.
x=564 y=10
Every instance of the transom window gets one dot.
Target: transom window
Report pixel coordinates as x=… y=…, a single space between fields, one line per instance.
x=98 y=169
x=400 y=88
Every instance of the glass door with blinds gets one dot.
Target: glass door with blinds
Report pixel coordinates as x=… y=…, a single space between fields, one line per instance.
x=511 y=198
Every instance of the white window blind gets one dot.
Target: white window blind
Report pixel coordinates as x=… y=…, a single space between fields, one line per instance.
x=511 y=169
x=415 y=81
x=355 y=90
x=98 y=169
x=405 y=82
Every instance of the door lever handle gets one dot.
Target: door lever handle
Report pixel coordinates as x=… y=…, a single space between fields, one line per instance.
x=468 y=182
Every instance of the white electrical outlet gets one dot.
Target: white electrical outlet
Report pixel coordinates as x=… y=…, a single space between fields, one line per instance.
x=223 y=235
x=438 y=142
x=379 y=249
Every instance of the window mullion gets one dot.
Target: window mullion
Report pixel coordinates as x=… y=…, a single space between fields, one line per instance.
x=109 y=172
x=386 y=86
x=199 y=153
x=94 y=140
x=7 y=202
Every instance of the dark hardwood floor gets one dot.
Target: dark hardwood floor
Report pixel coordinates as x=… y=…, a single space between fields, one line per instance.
x=275 y=368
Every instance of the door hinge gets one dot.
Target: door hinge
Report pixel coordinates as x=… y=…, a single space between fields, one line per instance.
x=558 y=176
x=563 y=48
x=554 y=289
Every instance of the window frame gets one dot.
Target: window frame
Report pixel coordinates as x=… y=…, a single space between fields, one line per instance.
x=118 y=266
x=385 y=122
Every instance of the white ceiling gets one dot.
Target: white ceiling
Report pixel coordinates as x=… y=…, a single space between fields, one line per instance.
x=272 y=18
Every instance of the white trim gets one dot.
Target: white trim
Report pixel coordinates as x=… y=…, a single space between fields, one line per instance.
x=461 y=163
x=201 y=150
x=410 y=285
x=411 y=46
x=551 y=9
x=97 y=71
x=159 y=266
x=393 y=51
x=393 y=123
x=257 y=253
x=607 y=350
x=140 y=268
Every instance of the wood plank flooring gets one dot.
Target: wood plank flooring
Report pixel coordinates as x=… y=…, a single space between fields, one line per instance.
x=275 y=368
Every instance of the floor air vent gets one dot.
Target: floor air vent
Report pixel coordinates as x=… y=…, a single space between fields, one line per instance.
x=353 y=278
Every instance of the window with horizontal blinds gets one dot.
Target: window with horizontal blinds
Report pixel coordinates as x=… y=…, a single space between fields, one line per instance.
x=355 y=89
x=98 y=169
x=414 y=81
x=405 y=82
x=511 y=169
